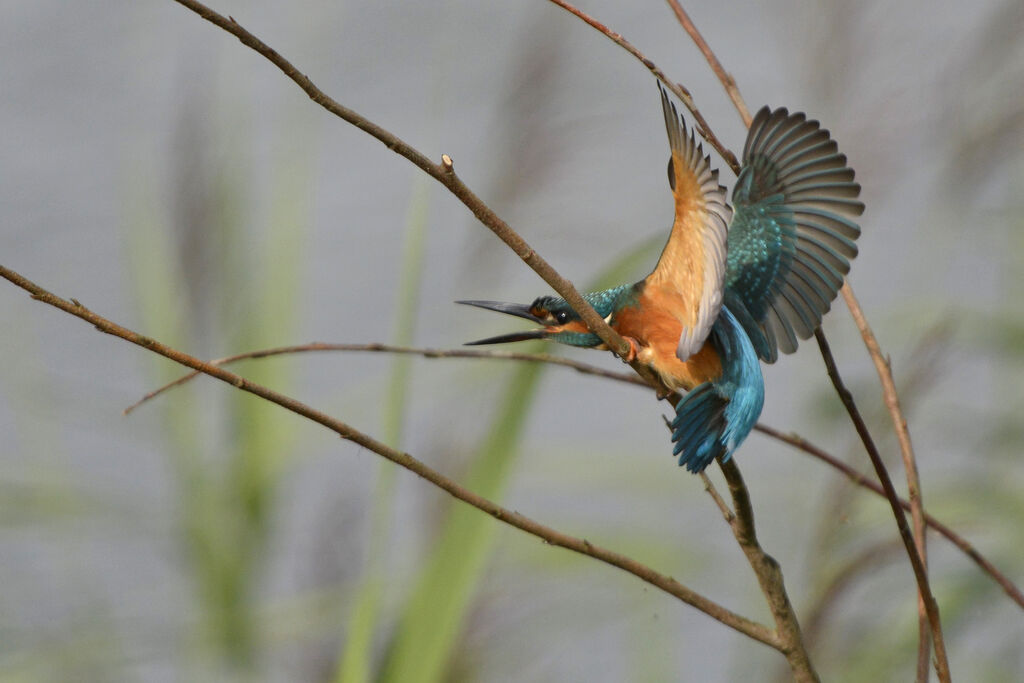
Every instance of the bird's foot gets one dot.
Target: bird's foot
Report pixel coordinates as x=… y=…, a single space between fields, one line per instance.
x=634 y=346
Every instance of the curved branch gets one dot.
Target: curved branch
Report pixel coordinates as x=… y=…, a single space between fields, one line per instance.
x=665 y=583
x=916 y=563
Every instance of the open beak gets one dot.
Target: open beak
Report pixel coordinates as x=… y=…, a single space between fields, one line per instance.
x=518 y=310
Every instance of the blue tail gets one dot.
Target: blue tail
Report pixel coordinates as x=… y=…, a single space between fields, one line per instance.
x=715 y=418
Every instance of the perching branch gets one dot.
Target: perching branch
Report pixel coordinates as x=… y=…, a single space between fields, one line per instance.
x=445 y=174
x=669 y=585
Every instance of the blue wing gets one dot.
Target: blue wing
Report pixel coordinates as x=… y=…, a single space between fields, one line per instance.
x=792 y=235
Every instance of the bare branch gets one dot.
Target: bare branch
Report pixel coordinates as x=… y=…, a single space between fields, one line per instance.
x=727 y=514
x=920 y=574
x=665 y=583
x=892 y=402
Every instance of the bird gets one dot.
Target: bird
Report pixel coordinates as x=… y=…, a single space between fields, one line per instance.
x=736 y=283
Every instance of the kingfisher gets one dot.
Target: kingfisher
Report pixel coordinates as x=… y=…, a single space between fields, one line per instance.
x=734 y=285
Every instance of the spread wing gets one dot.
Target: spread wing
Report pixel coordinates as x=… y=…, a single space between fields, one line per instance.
x=792 y=237
x=692 y=265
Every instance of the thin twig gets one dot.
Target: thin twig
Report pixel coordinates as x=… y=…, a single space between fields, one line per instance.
x=931 y=606
x=494 y=354
x=703 y=129
x=738 y=622
x=728 y=82
x=727 y=514
x=892 y=402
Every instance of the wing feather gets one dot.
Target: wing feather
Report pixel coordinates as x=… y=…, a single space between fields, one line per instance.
x=793 y=233
x=693 y=263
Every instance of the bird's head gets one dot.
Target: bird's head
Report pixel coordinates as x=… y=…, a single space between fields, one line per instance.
x=558 y=322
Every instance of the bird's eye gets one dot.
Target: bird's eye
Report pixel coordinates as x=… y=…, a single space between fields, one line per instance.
x=561 y=317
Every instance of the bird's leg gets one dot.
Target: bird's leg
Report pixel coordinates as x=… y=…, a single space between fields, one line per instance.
x=634 y=349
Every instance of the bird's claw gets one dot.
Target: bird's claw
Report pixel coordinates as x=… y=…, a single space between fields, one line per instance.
x=633 y=347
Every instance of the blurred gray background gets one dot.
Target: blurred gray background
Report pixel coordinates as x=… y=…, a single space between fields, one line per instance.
x=174 y=181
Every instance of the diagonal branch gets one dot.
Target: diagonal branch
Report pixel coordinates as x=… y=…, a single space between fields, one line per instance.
x=892 y=402
x=916 y=563
x=703 y=129
x=669 y=585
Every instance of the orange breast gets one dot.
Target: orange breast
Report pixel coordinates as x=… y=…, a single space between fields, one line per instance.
x=657 y=330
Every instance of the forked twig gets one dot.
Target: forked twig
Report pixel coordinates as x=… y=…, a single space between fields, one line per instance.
x=769 y=576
